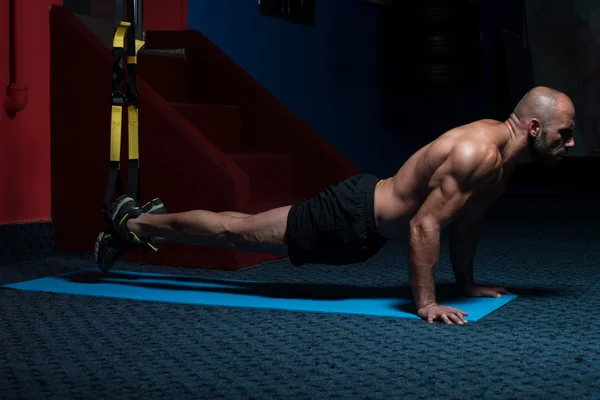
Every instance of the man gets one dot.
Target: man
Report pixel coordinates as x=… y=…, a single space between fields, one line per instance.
x=450 y=182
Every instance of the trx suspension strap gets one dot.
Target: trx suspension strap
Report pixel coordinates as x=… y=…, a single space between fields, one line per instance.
x=121 y=97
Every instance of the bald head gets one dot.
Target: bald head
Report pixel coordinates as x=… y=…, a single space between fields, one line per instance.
x=544 y=104
x=545 y=118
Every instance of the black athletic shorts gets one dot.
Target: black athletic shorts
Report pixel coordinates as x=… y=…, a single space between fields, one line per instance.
x=337 y=226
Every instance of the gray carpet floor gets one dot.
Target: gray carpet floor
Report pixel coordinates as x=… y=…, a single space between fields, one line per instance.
x=543 y=345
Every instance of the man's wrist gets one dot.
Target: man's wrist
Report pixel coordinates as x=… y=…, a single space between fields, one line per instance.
x=424 y=306
x=425 y=302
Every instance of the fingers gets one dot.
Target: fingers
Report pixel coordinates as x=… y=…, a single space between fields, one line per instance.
x=459 y=316
x=447 y=315
x=497 y=292
x=457 y=319
x=493 y=292
x=452 y=316
x=451 y=319
x=488 y=292
x=482 y=291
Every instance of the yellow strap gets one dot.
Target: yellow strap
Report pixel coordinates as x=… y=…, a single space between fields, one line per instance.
x=115 y=133
x=138 y=45
x=134 y=153
x=119 y=38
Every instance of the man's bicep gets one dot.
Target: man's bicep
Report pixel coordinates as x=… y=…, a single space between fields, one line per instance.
x=444 y=204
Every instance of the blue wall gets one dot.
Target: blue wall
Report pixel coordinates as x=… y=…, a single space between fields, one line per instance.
x=331 y=76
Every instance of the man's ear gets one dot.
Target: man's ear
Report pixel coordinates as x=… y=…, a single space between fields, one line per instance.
x=535 y=127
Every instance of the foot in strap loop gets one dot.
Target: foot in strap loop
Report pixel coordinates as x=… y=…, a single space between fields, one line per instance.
x=117 y=239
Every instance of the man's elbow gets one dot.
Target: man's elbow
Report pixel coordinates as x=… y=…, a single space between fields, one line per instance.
x=421 y=229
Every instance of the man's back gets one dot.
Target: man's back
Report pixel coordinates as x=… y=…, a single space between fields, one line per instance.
x=397 y=199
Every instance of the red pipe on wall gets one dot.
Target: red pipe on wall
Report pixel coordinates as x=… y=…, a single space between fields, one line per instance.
x=16 y=91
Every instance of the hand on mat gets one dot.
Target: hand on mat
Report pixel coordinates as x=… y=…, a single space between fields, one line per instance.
x=446 y=314
x=484 y=291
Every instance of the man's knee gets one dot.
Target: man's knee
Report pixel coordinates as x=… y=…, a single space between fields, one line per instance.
x=268 y=227
x=231 y=228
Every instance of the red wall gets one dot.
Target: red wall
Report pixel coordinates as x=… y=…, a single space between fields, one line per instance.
x=25 y=139
x=157 y=17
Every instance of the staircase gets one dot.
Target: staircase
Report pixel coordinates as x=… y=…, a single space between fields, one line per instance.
x=211 y=137
x=271 y=174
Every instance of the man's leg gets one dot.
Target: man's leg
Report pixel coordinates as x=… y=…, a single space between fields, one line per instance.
x=158 y=240
x=234 y=214
x=109 y=247
x=263 y=232
x=133 y=225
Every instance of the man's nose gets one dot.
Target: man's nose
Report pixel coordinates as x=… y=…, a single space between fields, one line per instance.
x=570 y=143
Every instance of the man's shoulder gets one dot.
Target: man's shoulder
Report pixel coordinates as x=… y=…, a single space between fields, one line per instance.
x=475 y=159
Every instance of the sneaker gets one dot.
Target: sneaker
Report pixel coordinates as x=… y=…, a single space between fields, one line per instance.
x=155 y=206
x=117 y=239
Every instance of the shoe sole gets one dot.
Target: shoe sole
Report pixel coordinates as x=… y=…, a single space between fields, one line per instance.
x=97 y=245
x=97 y=249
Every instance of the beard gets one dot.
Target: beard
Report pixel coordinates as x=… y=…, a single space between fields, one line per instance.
x=543 y=153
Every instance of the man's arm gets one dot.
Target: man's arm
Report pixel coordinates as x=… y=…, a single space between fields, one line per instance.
x=468 y=169
x=464 y=236
x=440 y=208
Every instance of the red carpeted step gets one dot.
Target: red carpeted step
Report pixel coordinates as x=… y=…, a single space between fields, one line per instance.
x=205 y=257
x=221 y=124
x=201 y=71
x=271 y=175
x=248 y=260
x=168 y=76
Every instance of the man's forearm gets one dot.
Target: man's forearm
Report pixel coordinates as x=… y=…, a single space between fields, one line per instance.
x=423 y=258
x=463 y=245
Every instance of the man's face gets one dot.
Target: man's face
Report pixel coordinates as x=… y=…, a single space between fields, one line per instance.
x=550 y=146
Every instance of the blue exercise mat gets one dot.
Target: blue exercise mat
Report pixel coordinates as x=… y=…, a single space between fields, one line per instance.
x=386 y=301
